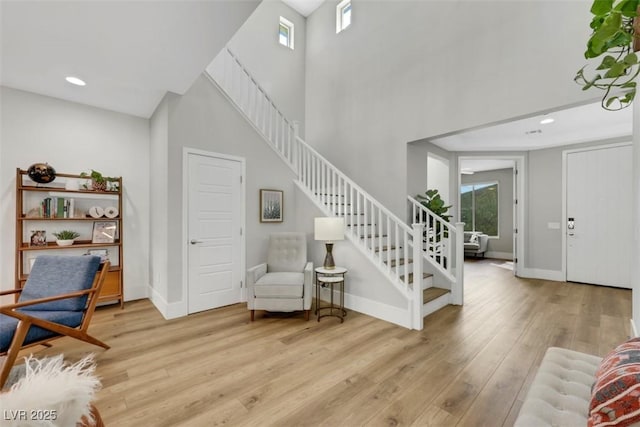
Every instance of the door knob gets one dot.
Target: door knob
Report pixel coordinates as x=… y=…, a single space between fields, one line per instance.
x=194 y=241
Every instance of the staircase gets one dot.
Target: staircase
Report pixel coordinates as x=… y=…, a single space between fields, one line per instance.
x=386 y=240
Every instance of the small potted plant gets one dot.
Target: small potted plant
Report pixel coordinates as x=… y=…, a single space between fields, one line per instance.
x=100 y=182
x=66 y=237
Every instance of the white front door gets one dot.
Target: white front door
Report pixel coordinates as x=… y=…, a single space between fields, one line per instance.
x=598 y=223
x=214 y=231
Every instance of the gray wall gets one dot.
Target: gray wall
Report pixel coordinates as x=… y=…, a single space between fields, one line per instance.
x=504 y=178
x=380 y=84
x=204 y=119
x=278 y=69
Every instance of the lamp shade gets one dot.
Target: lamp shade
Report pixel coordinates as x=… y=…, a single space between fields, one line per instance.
x=329 y=229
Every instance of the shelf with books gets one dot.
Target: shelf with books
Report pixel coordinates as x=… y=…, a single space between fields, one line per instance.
x=44 y=210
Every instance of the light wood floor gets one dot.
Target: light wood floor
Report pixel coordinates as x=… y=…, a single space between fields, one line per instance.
x=470 y=366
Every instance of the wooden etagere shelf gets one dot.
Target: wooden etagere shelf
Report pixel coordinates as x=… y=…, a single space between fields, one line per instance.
x=75 y=202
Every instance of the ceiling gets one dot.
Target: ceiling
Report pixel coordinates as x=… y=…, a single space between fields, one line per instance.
x=575 y=125
x=304 y=7
x=130 y=53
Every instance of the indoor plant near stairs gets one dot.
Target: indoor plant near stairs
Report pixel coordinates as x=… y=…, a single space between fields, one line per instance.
x=434 y=232
x=615 y=35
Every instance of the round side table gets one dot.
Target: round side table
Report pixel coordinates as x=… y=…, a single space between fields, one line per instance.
x=330 y=278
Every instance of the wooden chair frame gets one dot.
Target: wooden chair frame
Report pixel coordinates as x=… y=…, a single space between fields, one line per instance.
x=25 y=321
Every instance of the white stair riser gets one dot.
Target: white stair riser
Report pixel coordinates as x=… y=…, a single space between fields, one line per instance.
x=427 y=283
x=436 y=304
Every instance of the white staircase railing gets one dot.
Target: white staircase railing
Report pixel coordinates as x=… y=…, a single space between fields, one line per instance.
x=370 y=226
x=440 y=241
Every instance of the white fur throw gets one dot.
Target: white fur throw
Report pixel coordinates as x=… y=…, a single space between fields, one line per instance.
x=50 y=394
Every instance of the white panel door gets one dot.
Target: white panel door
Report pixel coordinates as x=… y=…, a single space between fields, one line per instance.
x=214 y=230
x=598 y=226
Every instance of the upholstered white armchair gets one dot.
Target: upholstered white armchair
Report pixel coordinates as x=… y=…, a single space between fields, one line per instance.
x=285 y=281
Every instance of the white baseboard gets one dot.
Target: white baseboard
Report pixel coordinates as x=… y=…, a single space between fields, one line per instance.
x=634 y=331
x=168 y=310
x=388 y=313
x=499 y=255
x=537 y=273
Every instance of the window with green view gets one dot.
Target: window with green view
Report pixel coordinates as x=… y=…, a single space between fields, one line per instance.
x=479 y=208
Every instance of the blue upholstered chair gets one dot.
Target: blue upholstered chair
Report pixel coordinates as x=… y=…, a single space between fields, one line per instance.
x=58 y=299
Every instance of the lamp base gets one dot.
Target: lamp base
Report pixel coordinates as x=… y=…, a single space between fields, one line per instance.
x=328 y=259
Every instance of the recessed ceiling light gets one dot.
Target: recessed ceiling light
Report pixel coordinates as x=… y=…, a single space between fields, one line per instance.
x=547 y=121
x=75 y=81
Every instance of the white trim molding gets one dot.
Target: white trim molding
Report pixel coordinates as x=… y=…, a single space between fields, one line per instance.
x=538 y=273
x=397 y=315
x=168 y=310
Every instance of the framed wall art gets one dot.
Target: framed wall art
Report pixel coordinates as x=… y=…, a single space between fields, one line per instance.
x=271 y=205
x=104 y=232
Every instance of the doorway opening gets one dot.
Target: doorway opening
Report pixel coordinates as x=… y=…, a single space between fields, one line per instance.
x=489 y=193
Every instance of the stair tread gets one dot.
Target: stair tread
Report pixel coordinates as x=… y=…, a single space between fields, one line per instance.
x=424 y=276
x=401 y=261
x=431 y=294
x=387 y=248
x=369 y=236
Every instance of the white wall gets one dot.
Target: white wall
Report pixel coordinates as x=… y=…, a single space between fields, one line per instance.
x=635 y=251
x=158 y=219
x=74 y=138
x=409 y=70
x=438 y=176
x=278 y=69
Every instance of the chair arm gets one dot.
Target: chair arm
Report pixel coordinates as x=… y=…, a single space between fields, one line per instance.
x=9 y=292
x=308 y=286
x=483 y=241
x=255 y=273
x=7 y=309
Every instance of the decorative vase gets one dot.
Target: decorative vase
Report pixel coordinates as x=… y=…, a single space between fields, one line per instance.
x=41 y=173
x=98 y=186
x=64 y=242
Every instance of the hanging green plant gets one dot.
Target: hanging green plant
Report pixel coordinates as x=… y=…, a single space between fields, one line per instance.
x=614 y=35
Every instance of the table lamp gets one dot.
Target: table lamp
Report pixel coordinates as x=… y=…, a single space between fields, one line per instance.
x=329 y=229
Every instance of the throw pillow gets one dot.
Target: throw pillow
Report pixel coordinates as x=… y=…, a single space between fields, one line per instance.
x=615 y=396
x=473 y=238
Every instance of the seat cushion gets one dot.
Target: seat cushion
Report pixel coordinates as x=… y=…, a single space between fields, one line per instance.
x=280 y=285
x=561 y=389
x=471 y=246
x=56 y=275
x=8 y=325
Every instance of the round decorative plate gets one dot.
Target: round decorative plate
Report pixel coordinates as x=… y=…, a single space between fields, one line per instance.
x=111 y=212
x=41 y=173
x=96 y=212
